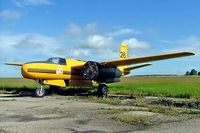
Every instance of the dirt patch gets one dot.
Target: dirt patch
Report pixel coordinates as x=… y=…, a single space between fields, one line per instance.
x=2 y=131
x=71 y=114
x=57 y=114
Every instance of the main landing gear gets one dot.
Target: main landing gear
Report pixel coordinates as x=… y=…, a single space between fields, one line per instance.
x=40 y=92
x=102 y=90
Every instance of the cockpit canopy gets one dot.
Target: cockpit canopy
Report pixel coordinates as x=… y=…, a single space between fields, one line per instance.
x=57 y=60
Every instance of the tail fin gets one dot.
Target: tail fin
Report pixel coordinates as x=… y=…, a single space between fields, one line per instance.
x=123 y=51
x=123 y=55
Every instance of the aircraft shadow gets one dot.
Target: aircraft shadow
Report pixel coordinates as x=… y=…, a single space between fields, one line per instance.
x=61 y=92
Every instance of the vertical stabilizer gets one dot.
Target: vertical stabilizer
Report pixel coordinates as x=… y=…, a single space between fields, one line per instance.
x=123 y=55
x=123 y=51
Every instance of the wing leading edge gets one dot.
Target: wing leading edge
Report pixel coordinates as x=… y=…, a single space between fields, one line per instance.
x=130 y=61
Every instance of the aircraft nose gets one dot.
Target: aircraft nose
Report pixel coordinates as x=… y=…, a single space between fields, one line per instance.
x=24 y=70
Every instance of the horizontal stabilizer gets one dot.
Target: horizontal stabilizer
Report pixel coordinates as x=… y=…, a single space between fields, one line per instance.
x=13 y=64
x=136 y=67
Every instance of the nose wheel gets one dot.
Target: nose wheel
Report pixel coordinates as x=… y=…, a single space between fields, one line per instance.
x=40 y=92
x=102 y=90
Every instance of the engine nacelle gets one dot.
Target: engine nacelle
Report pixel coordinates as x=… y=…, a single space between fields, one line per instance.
x=90 y=70
x=95 y=71
x=107 y=72
x=112 y=80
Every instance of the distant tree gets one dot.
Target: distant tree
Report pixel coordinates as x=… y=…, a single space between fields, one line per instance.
x=193 y=72
x=187 y=73
x=198 y=73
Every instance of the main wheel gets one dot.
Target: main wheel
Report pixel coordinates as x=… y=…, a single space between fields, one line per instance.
x=40 y=92
x=102 y=90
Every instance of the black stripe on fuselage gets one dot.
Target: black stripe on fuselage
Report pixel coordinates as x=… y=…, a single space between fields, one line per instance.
x=71 y=73
x=67 y=72
x=37 y=70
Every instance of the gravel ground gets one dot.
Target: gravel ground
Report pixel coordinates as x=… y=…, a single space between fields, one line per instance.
x=189 y=126
x=55 y=115
x=60 y=115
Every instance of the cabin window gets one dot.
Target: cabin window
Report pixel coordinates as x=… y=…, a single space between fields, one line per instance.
x=57 y=60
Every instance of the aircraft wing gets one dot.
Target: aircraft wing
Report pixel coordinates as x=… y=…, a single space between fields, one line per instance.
x=13 y=64
x=130 y=61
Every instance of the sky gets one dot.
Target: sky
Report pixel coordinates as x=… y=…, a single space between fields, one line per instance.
x=33 y=30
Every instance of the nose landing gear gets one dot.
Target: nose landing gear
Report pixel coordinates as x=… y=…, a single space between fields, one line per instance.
x=40 y=92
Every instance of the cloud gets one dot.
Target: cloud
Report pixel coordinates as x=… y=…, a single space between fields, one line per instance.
x=87 y=45
x=28 y=46
x=74 y=31
x=10 y=15
x=90 y=28
x=92 y=46
x=190 y=43
x=98 y=41
x=124 y=32
x=76 y=53
x=88 y=41
x=24 y=3
x=136 y=45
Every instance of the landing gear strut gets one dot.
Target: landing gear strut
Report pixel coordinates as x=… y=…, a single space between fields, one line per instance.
x=40 y=92
x=102 y=90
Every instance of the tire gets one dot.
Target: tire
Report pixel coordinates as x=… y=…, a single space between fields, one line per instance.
x=102 y=90
x=40 y=92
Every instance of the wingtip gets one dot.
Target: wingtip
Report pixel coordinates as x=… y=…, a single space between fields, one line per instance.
x=192 y=53
x=149 y=64
x=146 y=65
x=189 y=53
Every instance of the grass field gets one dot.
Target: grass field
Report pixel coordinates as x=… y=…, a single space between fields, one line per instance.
x=16 y=83
x=184 y=87
x=158 y=86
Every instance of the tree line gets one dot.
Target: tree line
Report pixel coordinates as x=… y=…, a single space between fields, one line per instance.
x=192 y=72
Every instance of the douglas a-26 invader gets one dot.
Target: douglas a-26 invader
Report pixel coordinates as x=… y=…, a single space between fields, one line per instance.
x=60 y=72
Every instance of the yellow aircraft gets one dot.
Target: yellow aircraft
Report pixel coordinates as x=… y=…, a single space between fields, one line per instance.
x=60 y=72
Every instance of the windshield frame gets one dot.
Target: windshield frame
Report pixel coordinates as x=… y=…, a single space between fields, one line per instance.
x=57 y=60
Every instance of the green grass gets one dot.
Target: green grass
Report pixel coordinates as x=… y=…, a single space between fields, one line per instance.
x=16 y=83
x=131 y=119
x=113 y=101
x=184 y=87
x=164 y=110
